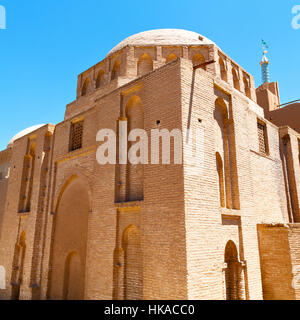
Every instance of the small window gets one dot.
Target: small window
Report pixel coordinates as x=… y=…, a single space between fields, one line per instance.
x=76 y=135
x=262 y=138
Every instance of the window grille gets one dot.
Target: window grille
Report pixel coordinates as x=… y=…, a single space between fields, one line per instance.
x=262 y=138
x=76 y=136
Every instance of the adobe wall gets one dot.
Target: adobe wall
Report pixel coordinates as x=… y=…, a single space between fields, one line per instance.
x=286 y=116
x=159 y=217
x=280 y=261
x=260 y=187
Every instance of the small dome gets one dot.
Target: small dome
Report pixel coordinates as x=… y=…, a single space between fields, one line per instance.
x=23 y=133
x=162 y=37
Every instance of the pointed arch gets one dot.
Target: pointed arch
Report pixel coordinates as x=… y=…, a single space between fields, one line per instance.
x=222 y=107
x=246 y=81
x=72 y=275
x=231 y=252
x=145 y=64
x=135 y=172
x=115 y=72
x=223 y=71
x=171 y=57
x=18 y=266
x=32 y=154
x=220 y=170
x=233 y=273
x=227 y=149
x=64 y=187
x=235 y=79
x=69 y=234
x=133 y=265
x=85 y=87
x=100 y=79
x=198 y=59
x=27 y=177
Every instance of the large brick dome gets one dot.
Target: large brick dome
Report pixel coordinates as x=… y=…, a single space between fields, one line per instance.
x=163 y=37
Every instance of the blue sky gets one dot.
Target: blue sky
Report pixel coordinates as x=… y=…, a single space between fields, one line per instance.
x=48 y=43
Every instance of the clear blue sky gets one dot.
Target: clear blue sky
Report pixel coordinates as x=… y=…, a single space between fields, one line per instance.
x=48 y=43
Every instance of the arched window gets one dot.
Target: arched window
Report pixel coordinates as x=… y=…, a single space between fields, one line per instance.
x=171 y=57
x=235 y=79
x=145 y=64
x=100 y=79
x=133 y=265
x=198 y=59
x=246 y=81
x=115 y=73
x=220 y=170
x=135 y=172
x=223 y=70
x=85 y=86
x=233 y=273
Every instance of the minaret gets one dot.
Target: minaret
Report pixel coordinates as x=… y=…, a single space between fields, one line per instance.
x=268 y=93
x=265 y=64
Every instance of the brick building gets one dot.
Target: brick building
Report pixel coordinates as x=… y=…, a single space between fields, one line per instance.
x=71 y=228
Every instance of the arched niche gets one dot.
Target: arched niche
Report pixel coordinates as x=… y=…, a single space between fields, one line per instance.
x=220 y=170
x=72 y=277
x=133 y=264
x=85 y=87
x=100 y=79
x=223 y=70
x=70 y=233
x=198 y=59
x=235 y=79
x=171 y=57
x=134 y=172
x=145 y=64
x=115 y=72
x=233 y=272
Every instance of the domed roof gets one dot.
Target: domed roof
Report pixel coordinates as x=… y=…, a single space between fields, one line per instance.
x=163 y=37
x=23 y=133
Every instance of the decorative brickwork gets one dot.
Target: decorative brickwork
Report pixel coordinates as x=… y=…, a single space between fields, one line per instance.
x=220 y=227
